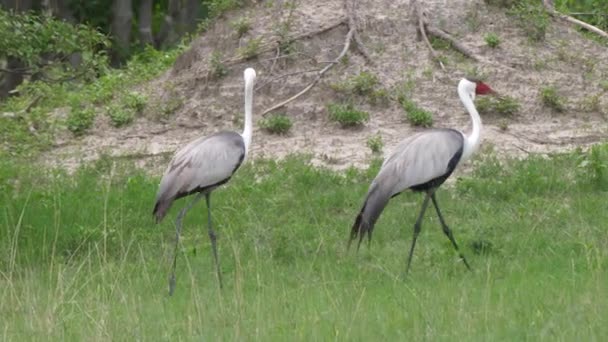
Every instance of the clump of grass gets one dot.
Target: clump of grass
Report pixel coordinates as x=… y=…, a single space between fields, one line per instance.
x=593 y=167
x=604 y=85
x=504 y=105
x=551 y=98
x=415 y=115
x=591 y=103
x=439 y=43
x=346 y=114
x=276 y=123
x=501 y=3
x=241 y=26
x=375 y=143
x=251 y=49
x=492 y=40
x=80 y=119
x=379 y=97
x=532 y=18
x=363 y=84
x=218 y=69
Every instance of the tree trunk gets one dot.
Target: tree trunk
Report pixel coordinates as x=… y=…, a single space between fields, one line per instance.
x=168 y=34
x=121 y=30
x=145 y=22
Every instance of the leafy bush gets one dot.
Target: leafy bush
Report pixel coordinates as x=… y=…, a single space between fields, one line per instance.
x=346 y=114
x=80 y=119
x=416 y=115
x=276 y=123
x=218 y=69
x=492 y=40
x=550 y=98
x=593 y=166
x=135 y=101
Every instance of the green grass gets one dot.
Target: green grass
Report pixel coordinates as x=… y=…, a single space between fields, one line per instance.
x=82 y=260
x=278 y=123
x=346 y=114
x=504 y=105
x=492 y=40
x=415 y=115
x=551 y=98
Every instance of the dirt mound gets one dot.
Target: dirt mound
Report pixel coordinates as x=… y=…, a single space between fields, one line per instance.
x=566 y=59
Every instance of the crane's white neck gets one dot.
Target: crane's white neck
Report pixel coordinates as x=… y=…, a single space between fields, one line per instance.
x=471 y=142
x=247 y=132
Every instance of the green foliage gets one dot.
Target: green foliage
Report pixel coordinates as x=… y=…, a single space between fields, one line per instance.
x=503 y=105
x=375 y=143
x=218 y=69
x=251 y=49
x=135 y=101
x=363 y=84
x=276 y=123
x=591 y=103
x=439 y=43
x=416 y=115
x=80 y=119
x=32 y=39
x=219 y=7
x=346 y=114
x=532 y=18
x=604 y=85
x=551 y=98
x=492 y=40
x=241 y=26
x=80 y=97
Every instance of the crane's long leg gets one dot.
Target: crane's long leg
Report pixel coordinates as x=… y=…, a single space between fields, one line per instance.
x=178 y=230
x=213 y=238
x=448 y=232
x=417 y=226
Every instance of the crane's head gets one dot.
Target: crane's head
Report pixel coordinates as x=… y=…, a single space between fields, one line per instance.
x=473 y=86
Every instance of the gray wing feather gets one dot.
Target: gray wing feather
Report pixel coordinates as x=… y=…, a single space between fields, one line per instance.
x=202 y=163
x=419 y=159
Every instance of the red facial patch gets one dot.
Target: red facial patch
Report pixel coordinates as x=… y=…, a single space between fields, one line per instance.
x=483 y=89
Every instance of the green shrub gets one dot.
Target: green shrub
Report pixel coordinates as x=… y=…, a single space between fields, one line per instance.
x=492 y=40
x=80 y=119
x=276 y=123
x=346 y=114
x=218 y=69
x=550 y=98
x=135 y=101
x=416 y=115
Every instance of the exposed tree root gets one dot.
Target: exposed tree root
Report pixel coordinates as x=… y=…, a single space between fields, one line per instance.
x=549 y=6
x=424 y=29
x=351 y=36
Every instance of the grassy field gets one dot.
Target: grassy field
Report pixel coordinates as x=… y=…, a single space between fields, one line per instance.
x=81 y=258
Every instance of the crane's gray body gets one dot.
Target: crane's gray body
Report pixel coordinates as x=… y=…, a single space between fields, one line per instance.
x=420 y=162
x=221 y=154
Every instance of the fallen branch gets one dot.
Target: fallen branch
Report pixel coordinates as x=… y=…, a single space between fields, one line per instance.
x=456 y=45
x=549 y=6
x=348 y=39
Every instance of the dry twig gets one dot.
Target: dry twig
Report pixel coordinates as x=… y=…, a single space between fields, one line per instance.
x=549 y=6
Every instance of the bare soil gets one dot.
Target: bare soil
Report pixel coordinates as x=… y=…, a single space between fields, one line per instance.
x=518 y=68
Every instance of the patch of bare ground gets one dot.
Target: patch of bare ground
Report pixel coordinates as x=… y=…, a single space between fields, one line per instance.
x=565 y=59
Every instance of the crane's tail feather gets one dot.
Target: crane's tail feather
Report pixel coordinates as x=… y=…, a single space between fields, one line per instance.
x=366 y=219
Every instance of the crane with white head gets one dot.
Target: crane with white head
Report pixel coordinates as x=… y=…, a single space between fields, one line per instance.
x=199 y=168
x=421 y=163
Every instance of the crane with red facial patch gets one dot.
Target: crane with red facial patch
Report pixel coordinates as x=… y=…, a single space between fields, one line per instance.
x=421 y=163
